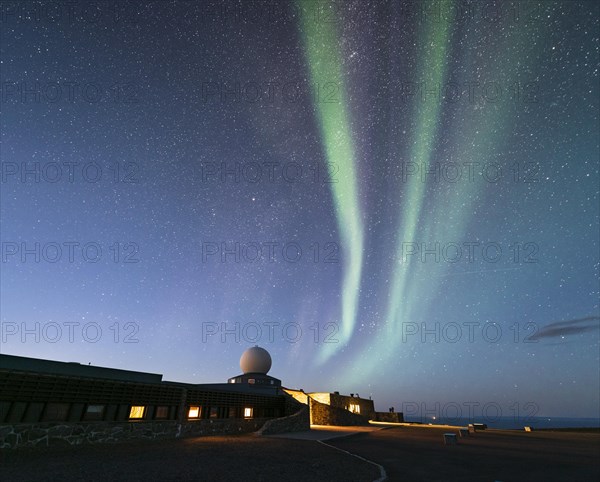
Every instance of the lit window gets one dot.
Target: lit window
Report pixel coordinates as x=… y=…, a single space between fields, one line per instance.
x=354 y=408
x=194 y=412
x=248 y=412
x=137 y=411
x=94 y=412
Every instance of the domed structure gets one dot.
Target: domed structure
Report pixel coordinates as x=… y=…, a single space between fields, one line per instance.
x=255 y=360
x=255 y=363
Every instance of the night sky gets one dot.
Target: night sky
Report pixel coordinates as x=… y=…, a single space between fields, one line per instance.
x=402 y=197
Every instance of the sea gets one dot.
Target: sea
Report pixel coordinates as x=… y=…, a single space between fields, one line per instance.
x=516 y=423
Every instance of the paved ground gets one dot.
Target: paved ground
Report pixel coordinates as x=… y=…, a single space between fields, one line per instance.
x=408 y=453
x=418 y=454
x=325 y=432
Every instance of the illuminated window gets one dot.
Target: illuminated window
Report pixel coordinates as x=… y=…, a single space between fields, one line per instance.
x=162 y=412
x=248 y=412
x=94 y=412
x=137 y=412
x=354 y=408
x=194 y=412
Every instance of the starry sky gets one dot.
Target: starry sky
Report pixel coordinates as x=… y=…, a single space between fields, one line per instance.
x=396 y=199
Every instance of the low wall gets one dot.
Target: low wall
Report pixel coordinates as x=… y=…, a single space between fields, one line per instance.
x=393 y=417
x=298 y=422
x=60 y=433
x=322 y=414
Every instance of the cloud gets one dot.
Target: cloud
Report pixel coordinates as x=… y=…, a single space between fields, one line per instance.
x=568 y=327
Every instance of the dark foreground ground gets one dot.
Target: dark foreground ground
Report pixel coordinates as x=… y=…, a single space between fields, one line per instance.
x=407 y=454
x=418 y=454
x=228 y=458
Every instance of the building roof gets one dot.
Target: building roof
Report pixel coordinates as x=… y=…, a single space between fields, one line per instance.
x=24 y=364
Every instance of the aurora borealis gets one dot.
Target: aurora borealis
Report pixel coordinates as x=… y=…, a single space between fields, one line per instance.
x=325 y=66
x=398 y=199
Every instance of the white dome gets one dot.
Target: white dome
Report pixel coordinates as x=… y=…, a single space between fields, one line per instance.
x=255 y=360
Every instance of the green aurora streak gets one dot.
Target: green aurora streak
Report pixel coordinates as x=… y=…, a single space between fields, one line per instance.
x=324 y=60
x=434 y=41
x=477 y=139
x=477 y=135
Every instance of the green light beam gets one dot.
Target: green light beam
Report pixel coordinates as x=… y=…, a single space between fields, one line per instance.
x=432 y=55
x=324 y=60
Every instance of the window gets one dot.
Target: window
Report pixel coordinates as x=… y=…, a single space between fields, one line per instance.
x=354 y=408
x=248 y=412
x=94 y=412
x=232 y=412
x=194 y=412
x=162 y=412
x=137 y=412
x=56 y=412
x=214 y=412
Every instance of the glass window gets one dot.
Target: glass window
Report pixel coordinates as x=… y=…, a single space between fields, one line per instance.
x=56 y=412
x=354 y=408
x=248 y=412
x=162 y=412
x=214 y=412
x=137 y=412
x=93 y=412
x=194 y=412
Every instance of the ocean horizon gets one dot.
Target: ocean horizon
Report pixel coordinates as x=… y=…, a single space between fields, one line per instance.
x=516 y=423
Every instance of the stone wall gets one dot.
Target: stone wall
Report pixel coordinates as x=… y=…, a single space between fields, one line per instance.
x=322 y=414
x=293 y=403
x=298 y=395
x=298 y=422
x=393 y=417
x=64 y=433
x=220 y=427
x=61 y=433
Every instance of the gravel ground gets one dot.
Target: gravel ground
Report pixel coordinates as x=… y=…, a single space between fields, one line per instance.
x=218 y=458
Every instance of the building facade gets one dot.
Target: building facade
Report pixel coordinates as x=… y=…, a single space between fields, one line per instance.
x=44 y=402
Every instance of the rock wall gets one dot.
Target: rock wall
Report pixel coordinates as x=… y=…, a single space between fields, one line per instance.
x=394 y=417
x=322 y=414
x=298 y=422
x=61 y=433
